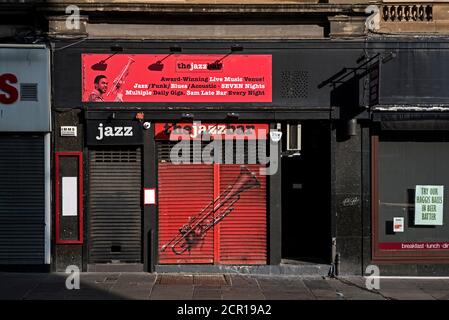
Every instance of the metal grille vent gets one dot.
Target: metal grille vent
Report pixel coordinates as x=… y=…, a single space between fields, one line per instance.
x=115 y=156
x=28 y=92
x=295 y=84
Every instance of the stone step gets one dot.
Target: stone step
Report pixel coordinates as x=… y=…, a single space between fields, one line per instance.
x=115 y=267
x=282 y=269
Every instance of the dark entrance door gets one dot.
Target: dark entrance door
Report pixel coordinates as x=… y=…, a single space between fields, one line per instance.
x=306 y=219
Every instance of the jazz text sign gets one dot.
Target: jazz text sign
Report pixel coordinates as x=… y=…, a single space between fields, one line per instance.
x=429 y=205
x=117 y=132
x=176 y=78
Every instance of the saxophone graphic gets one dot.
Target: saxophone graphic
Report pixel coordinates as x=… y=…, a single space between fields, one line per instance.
x=117 y=85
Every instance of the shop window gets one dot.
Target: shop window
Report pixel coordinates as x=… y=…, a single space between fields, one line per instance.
x=411 y=196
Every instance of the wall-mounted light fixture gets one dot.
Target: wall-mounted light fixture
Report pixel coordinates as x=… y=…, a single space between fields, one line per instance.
x=351 y=127
x=102 y=65
x=158 y=65
x=187 y=116
x=111 y=116
x=217 y=64
x=140 y=116
x=232 y=115
x=388 y=56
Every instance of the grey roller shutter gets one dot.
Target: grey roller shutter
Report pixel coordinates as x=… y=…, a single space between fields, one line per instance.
x=115 y=230
x=22 y=200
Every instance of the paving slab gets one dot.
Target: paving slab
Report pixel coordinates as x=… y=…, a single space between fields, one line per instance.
x=134 y=295
x=242 y=281
x=406 y=295
x=142 y=286
x=439 y=295
x=210 y=280
x=437 y=284
x=174 y=279
x=287 y=296
x=207 y=294
x=232 y=295
x=317 y=284
x=172 y=292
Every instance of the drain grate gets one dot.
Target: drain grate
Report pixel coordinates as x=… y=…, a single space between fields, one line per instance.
x=201 y=280
x=174 y=279
x=210 y=280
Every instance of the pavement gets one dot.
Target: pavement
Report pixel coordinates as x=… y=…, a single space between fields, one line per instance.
x=146 y=286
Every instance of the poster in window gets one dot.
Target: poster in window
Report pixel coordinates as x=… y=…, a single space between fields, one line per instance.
x=429 y=205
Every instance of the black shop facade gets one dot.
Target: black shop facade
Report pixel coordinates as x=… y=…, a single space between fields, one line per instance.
x=214 y=156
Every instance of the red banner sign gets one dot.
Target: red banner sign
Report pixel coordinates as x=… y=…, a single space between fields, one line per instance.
x=414 y=246
x=176 y=78
x=194 y=131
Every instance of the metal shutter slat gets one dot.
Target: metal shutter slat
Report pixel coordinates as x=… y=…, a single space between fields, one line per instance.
x=22 y=200
x=243 y=233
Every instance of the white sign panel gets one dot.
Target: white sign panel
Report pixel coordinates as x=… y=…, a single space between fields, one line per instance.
x=69 y=196
x=398 y=224
x=25 y=89
x=69 y=131
x=150 y=196
x=429 y=205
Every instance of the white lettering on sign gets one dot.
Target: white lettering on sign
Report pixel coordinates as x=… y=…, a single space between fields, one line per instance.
x=113 y=132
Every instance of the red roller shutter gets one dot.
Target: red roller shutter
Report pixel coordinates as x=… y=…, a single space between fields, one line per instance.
x=243 y=233
x=184 y=190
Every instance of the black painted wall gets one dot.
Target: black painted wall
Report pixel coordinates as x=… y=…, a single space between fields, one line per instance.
x=348 y=199
x=306 y=208
x=67 y=254
x=150 y=218
x=303 y=73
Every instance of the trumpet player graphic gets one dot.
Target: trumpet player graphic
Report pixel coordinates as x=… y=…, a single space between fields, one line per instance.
x=104 y=90
x=100 y=88
x=116 y=90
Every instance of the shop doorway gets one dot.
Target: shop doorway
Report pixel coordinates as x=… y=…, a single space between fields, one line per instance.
x=306 y=189
x=115 y=210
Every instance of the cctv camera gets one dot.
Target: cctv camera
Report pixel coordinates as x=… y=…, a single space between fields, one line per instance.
x=146 y=125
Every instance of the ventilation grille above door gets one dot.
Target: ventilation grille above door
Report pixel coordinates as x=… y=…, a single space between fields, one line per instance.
x=295 y=84
x=115 y=156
